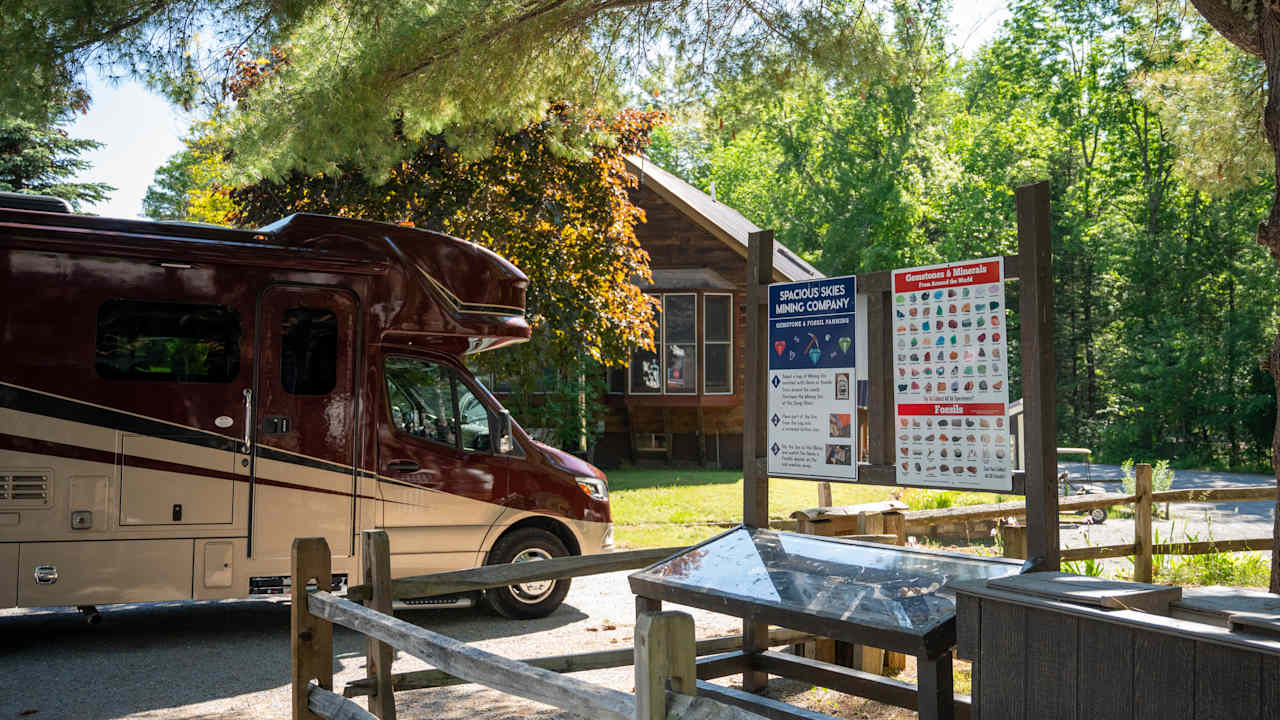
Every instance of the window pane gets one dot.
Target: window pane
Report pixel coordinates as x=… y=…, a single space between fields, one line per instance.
x=679 y=312
x=309 y=351
x=718 y=314
x=475 y=420
x=646 y=372
x=718 y=368
x=617 y=381
x=682 y=368
x=421 y=398
x=179 y=342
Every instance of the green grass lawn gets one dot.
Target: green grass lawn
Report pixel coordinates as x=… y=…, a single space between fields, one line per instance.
x=666 y=507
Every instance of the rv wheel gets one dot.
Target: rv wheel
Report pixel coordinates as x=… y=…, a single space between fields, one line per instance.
x=530 y=600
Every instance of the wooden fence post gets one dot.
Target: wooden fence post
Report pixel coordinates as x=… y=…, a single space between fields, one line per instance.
x=755 y=429
x=1014 y=539
x=376 y=570
x=1142 y=557
x=312 y=637
x=664 y=649
x=824 y=495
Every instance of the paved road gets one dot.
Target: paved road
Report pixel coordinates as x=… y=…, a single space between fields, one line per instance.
x=1205 y=521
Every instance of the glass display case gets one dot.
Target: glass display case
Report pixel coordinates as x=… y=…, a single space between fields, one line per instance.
x=881 y=596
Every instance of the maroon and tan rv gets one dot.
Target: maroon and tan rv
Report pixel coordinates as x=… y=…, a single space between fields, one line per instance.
x=179 y=402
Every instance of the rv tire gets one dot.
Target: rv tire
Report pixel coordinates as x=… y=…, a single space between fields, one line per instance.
x=531 y=600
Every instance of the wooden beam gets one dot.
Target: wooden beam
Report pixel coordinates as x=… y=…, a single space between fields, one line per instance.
x=332 y=706
x=375 y=558
x=491 y=576
x=1039 y=374
x=475 y=665
x=1215 y=495
x=1203 y=547
x=757 y=704
x=663 y=656
x=1142 y=531
x=1016 y=508
x=880 y=438
x=577 y=662
x=755 y=434
x=311 y=638
x=718 y=666
x=853 y=682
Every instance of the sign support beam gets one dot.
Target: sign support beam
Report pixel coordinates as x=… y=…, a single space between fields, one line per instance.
x=755 y=435
x=1039 y=374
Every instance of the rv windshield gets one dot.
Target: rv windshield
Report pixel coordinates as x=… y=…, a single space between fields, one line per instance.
x=429 y=400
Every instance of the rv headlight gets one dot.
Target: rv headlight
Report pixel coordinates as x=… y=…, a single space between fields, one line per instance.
x=593 y=487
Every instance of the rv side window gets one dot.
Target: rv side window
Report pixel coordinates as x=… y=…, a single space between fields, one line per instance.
x=309 y=351
x=177 y=342
x=421 y=398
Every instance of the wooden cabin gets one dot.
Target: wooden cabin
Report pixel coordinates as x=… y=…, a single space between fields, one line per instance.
x=683 y=404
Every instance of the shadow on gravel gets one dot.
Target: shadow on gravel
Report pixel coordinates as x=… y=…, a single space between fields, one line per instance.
x=163 y=655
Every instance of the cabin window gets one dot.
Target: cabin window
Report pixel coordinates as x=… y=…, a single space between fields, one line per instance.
x=646 y=365
x=309 y=351
x=717 y=344
x=680 y=343
x=176 y=342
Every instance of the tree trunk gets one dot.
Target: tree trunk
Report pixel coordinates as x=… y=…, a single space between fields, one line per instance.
x=1269 y=235
x=1274 y=367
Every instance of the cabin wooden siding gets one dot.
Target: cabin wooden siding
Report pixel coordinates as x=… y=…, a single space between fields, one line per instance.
x=703 y=428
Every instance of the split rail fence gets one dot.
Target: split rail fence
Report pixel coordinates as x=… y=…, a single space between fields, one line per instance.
x=664 y=655
x=860 y=519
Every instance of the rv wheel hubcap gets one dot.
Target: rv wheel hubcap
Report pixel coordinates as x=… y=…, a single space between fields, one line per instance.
x=533 y=592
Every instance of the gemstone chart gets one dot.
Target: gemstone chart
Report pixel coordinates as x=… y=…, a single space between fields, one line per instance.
x=951 y=376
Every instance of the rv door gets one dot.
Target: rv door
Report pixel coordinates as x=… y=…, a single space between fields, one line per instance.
x=305 y=399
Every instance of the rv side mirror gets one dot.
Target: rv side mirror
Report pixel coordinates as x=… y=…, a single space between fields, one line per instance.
x=505 y=442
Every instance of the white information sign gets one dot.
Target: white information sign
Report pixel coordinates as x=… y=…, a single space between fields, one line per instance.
x=951 y=376
x=813 y=417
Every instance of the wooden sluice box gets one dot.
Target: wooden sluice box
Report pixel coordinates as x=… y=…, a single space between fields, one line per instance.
x=1053 y=645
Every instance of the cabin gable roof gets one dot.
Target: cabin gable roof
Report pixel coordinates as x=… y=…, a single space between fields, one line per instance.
x=726 y=224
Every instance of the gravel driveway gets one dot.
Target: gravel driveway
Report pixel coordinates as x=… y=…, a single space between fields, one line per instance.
x=230 y=659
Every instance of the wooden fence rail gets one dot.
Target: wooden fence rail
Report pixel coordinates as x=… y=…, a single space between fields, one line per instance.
x=493 y=576
x=664 y=653
x=1142 y=549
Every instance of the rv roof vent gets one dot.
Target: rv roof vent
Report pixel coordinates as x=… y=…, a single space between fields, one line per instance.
x=23 y=201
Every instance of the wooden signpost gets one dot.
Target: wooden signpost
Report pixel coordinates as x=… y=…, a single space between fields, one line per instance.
x=1038 y=482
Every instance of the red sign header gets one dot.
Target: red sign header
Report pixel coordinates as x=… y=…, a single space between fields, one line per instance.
x=945 y=409
x=945 y=276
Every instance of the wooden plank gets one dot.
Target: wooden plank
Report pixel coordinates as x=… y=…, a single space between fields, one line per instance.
x=1207 y=547
x=1142 y=538
x=1215 y=495
x=1106 y=654
x=968 y=627
x=689 y=707
x=880 y=437
x=757 y=704
x=376 y=562
x=1017 y=508
x=332 y=706
x=1039 y=379
x=824 y=495
x=755 y=433
x=1216 y=603
x=491 y=576
x=1163 y=677
x=1087 y=590
x=1052 y=664
x=1270 y=683
x=1264 y=623
x=576 y=662
x=1002 y=692
x=311 y=638
x=1097 y=552
x=475 y=665
x=936 y=687
x=848 y=680
x=718 y=666
x=1013 y=541
x=1227 y=683
x=663 y=654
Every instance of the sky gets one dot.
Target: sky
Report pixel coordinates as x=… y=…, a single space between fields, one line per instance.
x=140 y=130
